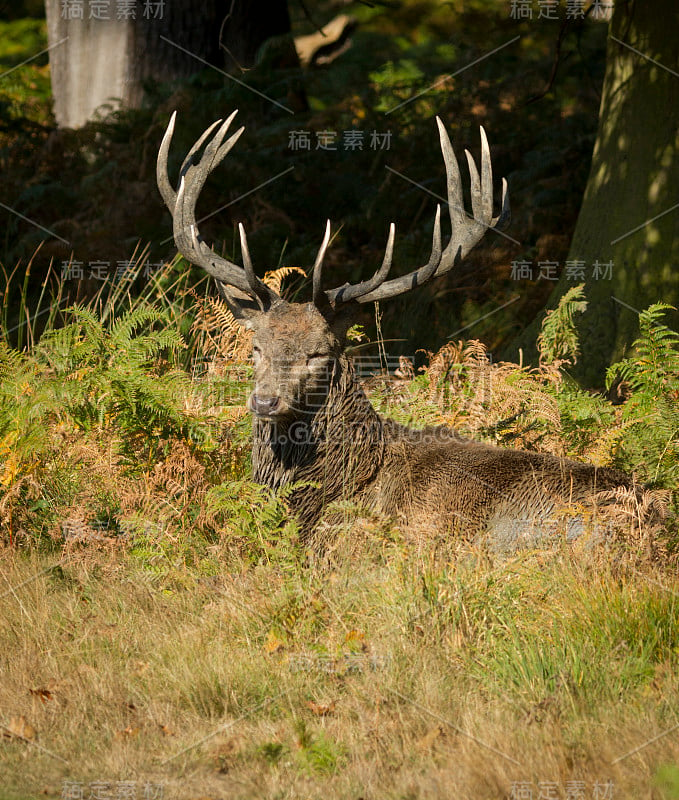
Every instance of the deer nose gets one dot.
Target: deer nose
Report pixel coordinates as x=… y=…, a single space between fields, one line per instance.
x=264 y=406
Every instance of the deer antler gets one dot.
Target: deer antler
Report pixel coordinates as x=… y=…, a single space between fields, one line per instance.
x=466 y=232
x=182 y=206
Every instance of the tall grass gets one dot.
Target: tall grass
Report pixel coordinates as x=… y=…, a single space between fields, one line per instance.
x=256 y=682
x=162 y=625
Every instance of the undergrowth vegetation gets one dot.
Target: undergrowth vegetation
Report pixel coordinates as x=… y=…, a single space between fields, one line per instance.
x=104 y=418
x=175 y=619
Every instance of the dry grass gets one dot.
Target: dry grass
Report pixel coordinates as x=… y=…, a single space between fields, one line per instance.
x=207 y=656
x=478 y=395
x=399 y=673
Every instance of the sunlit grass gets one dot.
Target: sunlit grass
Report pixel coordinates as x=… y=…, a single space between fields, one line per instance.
x=163 y=625
x=540 y=670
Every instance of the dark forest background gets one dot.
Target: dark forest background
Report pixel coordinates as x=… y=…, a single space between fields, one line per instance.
x=538 y=98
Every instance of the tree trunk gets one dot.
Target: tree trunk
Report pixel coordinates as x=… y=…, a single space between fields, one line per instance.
x=630 y=211
x=248 y=25
x=96 y=61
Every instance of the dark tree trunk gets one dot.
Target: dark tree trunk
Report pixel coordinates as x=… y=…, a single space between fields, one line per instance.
x=193 y=26
x=633 y=179
x=248 y=25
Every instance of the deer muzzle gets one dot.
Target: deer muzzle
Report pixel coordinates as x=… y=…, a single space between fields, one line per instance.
x=265 y=406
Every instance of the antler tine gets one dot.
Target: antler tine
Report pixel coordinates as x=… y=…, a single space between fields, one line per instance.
x=264 y=293
x=486 y=180
x=182 y=205
x=475 y=181
x=188 y=161
x=505 y=214
x=345 y=293
x=317 y=271
x=197 y=174
x=413 y=279
x=168 y=193
x=482 y=189
x=456 y=210
x=466 y=232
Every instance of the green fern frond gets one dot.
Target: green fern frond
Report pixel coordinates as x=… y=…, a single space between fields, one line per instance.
x=142 y=315
x=651 y=413
x=558 y=339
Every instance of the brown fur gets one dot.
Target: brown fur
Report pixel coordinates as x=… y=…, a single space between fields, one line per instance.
x=327 y=435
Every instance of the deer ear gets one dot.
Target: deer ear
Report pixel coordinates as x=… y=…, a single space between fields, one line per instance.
x=245 y=309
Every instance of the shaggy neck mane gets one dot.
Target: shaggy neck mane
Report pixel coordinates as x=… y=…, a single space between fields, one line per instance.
x=339 y=447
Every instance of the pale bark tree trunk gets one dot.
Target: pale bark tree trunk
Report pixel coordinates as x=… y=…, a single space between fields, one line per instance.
x=633 y=179
x=102 y=61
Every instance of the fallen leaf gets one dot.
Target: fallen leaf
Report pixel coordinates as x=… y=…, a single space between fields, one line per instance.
x=128 y=733
x=273 y=643
x=42 y=694
x=356 y=640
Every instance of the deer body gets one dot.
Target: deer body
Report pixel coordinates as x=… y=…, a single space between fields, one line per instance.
x=312 y=422
x=431 y=477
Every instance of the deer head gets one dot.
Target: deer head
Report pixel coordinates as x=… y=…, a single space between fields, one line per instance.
x=298 y=348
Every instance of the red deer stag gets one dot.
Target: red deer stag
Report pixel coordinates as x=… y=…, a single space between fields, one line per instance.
x=312 y=421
